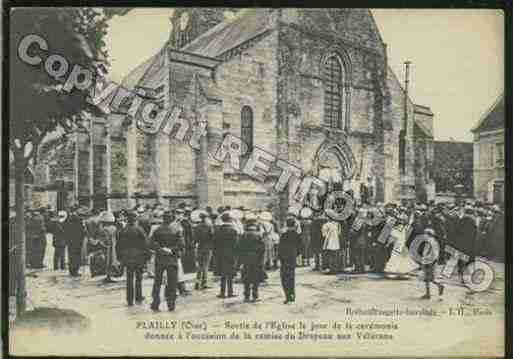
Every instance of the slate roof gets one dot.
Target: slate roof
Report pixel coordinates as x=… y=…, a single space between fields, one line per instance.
x=149 y=74
x=424 y=110
x=493 y=119
x=423 y=129
x=230 y=33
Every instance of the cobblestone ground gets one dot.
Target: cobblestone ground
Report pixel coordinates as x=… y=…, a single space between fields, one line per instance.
x=320 y=299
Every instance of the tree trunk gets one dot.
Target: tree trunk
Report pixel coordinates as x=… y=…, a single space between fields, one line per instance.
x=19 y=162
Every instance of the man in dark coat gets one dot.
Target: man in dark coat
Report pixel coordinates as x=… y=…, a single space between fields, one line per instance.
x=168 y=243
x=143 y=220
x=421 y=221
x=226 y=240
x=377 y=250
x=290 y=241
x=188 y=259
x=204 y=236
x=451 y=225
x=251 y=249
x=440 y=228
x=75 y=233
x=496 y=238
x=467 y=235
x=59 y=240
x=36 y=236
x=133 y=251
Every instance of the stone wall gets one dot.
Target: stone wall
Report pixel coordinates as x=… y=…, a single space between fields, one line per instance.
x=486 y=169
x=303 y=48
x=249 y=79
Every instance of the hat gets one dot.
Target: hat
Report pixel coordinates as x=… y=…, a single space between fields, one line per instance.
x=429 y=231
x=156 y=216
x=131 y=215
x=251 y=217
x=236 y=214
x=403 y=218
x=179 y=211
x=291 y=223
x=62 y=216
x=469 y=209
x=306 y=213
x=156 y=220
x=265 y=216
x=188 y=209
x=294 y=211
x=198 y=215
x=140 y=210
x=226 y=216
x=107 y=217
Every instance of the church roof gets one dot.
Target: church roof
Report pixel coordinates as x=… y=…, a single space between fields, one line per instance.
x=148 y=72
x=423 y=129
x=230 y=33
x=132 y=79
x=208 y=87
x=493 y=119
x=424 y=110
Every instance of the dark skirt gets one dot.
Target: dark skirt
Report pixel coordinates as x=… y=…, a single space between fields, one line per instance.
x=429 y=272
x=253 y=273
x=226 y=266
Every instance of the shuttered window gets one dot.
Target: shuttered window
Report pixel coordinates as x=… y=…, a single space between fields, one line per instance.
x=246 y=128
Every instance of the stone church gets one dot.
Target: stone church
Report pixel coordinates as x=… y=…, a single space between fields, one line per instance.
x=311 y=86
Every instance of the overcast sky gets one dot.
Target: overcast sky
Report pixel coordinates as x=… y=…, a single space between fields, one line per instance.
x=457 y=57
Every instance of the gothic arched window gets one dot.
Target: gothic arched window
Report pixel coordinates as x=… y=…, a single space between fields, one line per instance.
x=246 y=127
x=333 y=88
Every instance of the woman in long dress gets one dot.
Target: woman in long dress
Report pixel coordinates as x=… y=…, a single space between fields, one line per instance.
x=400 y=262
x=108 y=236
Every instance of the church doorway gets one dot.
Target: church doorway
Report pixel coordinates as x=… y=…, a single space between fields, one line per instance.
x=336 y=165
x=331 y=171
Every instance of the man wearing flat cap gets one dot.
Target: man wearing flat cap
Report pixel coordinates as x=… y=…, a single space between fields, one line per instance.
x=179 y=219
x=204 y=237
x=133 y=252
x=168 y=243
x=226 y=241
x=188 y=259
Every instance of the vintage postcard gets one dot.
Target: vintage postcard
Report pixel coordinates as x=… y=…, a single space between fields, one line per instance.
x=256 y=182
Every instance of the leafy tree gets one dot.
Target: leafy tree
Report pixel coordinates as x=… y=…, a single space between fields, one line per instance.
x=38 y=106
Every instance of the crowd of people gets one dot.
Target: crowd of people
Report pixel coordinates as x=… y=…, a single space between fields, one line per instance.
x=165 y=244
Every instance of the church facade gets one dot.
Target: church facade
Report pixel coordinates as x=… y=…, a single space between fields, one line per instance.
x=310 y=86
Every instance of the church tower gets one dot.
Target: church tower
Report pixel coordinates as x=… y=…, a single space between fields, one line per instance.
x=189 y=23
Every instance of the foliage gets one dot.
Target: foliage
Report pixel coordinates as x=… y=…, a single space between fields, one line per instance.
x=37 y=104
